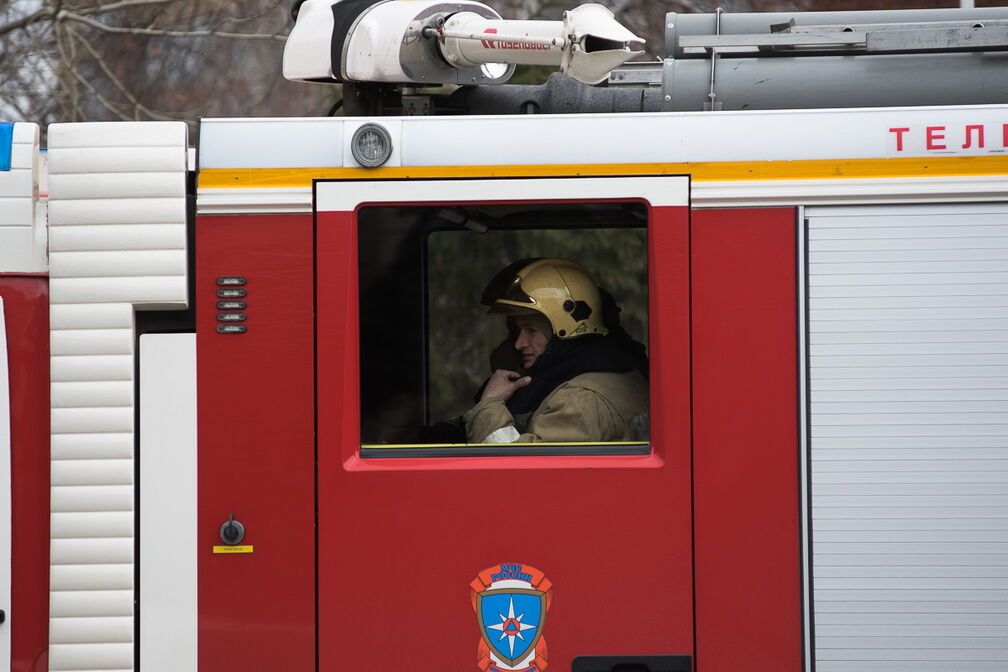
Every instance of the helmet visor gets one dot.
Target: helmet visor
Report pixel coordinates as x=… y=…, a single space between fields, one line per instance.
x=507 y=285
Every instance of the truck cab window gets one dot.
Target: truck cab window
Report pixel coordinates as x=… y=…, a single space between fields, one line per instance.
x=503 y=329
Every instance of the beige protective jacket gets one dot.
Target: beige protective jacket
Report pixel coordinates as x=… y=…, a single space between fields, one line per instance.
x=592 y=407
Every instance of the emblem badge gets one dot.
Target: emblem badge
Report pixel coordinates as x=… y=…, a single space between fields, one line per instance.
x=511 y=601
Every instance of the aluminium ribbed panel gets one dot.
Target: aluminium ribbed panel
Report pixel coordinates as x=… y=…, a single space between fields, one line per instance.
x=117 y=225
x=908 y=347
x=22 y=218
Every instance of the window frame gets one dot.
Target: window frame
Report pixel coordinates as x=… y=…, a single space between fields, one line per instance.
x=668 y=194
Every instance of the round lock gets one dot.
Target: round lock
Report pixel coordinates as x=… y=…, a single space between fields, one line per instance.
x=232 y=532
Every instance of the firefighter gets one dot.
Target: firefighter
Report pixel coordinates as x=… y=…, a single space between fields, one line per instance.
x=581 y=378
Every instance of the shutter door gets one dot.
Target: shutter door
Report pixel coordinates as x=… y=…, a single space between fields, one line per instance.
x=908 y=345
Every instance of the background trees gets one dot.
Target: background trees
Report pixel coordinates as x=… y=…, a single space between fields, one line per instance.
x=67 y=60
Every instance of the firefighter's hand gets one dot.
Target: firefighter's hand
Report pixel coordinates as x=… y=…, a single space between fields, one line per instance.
x=503 y=383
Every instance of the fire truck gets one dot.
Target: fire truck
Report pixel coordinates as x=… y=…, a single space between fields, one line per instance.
x=224 y=355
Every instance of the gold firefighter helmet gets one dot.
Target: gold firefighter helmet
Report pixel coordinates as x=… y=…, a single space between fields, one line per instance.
x=558 y=289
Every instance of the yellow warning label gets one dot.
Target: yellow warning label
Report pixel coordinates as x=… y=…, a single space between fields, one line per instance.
x=232 y=549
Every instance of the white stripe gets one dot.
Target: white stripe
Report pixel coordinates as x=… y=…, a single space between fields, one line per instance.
x=168 y=614
x=666 y=190
x=750 y=135
x=704 y=194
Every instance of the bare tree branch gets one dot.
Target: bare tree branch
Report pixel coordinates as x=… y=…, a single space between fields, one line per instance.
x=138 y=107
x=253 y=17
x=169 y=33
x=124 y=4
x=44 y=14
x=68 y=68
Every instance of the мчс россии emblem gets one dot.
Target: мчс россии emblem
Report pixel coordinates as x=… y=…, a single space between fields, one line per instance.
x=511 y=601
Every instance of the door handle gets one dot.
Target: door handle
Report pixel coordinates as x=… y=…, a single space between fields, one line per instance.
x=632 y=664
x=232 y=532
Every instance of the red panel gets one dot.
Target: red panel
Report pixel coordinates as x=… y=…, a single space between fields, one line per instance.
x=26 y=312
x=400 y=540
x=256 y=447
x=746 y=497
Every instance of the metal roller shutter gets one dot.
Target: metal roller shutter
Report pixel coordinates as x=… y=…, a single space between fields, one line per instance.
x=908 y=349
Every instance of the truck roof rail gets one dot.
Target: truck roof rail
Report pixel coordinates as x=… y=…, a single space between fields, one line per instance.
x=876 y=39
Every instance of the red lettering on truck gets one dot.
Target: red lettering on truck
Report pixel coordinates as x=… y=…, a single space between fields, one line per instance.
x=936 y=135
x=899 y=137
x=487 y=44
x=511 y=44
x=970 y=129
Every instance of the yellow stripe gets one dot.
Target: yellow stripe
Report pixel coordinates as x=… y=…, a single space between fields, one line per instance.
x=498 y=445
x=939 y=166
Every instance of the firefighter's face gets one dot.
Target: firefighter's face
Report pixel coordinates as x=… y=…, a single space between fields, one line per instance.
x=534 y=333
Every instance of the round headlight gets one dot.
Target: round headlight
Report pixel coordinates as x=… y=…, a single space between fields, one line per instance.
x=371 y=145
